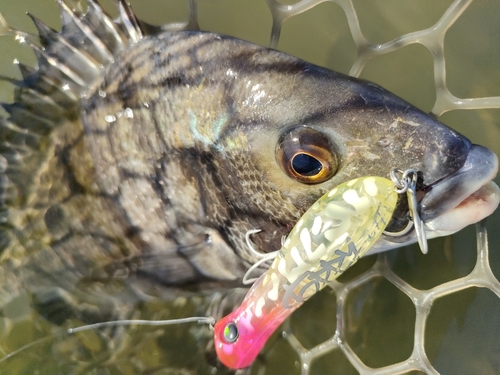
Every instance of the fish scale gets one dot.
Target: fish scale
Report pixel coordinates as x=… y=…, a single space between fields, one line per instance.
x=150 y=169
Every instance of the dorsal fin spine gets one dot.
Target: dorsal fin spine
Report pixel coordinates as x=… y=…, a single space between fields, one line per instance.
x=46 y=60
x=80 y=62
x=109 y=28
x=130 y=22
x=70 y=64
x=105 y=53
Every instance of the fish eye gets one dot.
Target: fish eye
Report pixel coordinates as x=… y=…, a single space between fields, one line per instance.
x=230 y=333
x=307 y=155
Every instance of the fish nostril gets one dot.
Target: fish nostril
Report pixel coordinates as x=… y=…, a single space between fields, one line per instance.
x=384 y=142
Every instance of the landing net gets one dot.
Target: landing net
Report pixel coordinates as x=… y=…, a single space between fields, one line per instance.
x=422 y=355
x=399 y=312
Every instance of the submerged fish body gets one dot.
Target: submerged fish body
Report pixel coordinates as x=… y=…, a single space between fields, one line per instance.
x=133 y=153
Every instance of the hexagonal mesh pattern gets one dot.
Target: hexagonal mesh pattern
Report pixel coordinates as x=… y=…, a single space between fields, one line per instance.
x=432 y=38
x=395 y=313
x=481 y=275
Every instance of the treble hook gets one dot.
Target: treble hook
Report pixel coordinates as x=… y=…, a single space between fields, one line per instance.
x=408 y=184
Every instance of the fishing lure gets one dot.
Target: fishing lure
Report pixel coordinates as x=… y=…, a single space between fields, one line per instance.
x=331 y=236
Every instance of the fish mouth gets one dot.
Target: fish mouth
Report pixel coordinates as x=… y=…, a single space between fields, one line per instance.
x=478 y=205
x=451 y=203
x=466 y=197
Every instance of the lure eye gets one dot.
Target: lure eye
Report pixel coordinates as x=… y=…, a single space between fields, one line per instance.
x=307 y=155
x=230 y=333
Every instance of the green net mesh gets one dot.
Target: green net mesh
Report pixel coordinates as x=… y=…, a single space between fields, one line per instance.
x=420 y=354
x=395 y=313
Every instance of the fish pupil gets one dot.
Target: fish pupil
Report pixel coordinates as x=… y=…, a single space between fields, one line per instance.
x=231 y=333
x=306 y=165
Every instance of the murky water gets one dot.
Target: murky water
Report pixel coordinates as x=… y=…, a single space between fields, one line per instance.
x=463 y=330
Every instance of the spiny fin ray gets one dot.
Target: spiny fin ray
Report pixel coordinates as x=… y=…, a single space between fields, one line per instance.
x=26 y=71
x=5 y=28
x=45 y=33
x=53 y=68
x=66 y=55
x=37 y=123
x=70 y=63
x=104 y=28
x=130 y=23
x=82 y=35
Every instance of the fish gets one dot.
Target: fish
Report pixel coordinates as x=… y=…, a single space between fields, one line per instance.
x=329 y=238
x=139 y=155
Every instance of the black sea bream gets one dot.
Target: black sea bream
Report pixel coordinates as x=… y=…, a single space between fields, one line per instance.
x=146 y=156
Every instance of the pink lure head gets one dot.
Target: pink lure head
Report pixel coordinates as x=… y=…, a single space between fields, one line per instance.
x=240 y=336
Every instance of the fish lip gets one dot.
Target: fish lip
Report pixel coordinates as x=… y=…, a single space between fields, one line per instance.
x=442 y=196
x=473 y=209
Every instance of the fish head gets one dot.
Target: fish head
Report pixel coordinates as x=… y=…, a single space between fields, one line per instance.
x=189 y=140
x=247 y=137
x=318 y=129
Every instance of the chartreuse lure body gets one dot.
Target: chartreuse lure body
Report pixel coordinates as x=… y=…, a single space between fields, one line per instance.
x=331 y=236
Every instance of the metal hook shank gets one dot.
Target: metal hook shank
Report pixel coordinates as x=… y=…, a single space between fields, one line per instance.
x=419 y=224
x=408 y=184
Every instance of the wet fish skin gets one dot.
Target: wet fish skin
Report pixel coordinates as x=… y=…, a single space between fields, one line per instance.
x=169 y=158
x=216 y=108
x=139 y=182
